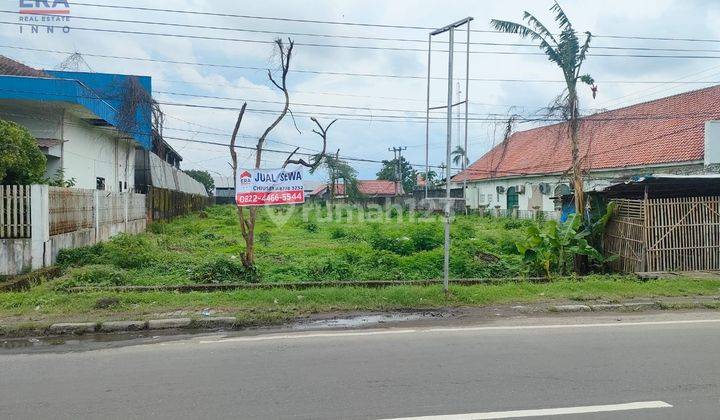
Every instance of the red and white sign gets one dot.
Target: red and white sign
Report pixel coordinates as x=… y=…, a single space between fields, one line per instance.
x=269 y=187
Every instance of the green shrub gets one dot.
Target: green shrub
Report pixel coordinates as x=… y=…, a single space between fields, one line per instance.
x=331 y=268
x=401 y=245
x=212 y=236
x=423 y=265
x=426 y=236
x=223 y=270
x=157 y=228
x=81 y=256
x=462 y=230
x=123 y=251
x=264 y=238
x=337 y=232
x=129 y=251
x=311 y=227
x=100 y=275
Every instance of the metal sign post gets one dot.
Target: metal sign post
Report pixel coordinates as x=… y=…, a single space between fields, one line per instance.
x=450 y=29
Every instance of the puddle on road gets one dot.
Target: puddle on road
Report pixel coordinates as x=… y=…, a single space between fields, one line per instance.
x=82 y=342
x=70 y=343
x=365 y=320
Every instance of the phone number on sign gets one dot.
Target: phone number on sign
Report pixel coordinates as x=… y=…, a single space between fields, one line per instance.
x=270 y=198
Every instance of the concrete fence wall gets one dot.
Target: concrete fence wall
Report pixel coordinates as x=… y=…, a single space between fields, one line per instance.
x=63 y=218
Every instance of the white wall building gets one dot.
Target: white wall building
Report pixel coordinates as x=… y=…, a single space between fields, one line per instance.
x=92 y=128
x=95 y=157
x=677 y=134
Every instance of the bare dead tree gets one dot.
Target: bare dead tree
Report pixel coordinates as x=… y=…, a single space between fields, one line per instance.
x=248 y=218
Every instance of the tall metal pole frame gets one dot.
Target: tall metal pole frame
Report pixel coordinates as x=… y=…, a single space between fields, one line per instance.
x=448 y=169
x=450 y=29
x=427 y=119
x=467 y=105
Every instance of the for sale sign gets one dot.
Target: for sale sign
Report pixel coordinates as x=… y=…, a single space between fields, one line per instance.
x=269 y=187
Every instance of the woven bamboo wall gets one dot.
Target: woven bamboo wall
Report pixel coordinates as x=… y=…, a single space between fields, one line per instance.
x=665 y=234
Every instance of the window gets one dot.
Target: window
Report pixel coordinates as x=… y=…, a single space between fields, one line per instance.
x=99 y=183
x=561 y=190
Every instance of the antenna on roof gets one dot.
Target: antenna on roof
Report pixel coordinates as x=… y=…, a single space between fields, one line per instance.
x=74 y=62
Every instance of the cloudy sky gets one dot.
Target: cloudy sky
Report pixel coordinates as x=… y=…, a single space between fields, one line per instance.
x=374 y=111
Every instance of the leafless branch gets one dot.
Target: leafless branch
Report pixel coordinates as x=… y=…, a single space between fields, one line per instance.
x=285 y=57
x=293 y=120
x=318 y=158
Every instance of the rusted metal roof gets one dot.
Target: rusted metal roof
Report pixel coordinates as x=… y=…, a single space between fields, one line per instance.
x=14 y=68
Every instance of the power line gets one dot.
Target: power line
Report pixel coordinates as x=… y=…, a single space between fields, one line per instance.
x=353 y=47
x=332 y=73
x=359 y=24
x=340 y=36
x=361 y=108
x=402 y=118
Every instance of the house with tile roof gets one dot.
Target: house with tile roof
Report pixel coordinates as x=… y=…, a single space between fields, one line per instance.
x=80 y=123
x=531 y=169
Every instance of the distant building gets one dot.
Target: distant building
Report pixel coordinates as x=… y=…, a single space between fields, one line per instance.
x=371 y=190
x=224 y=189
x=88 y=131
x=679 y=134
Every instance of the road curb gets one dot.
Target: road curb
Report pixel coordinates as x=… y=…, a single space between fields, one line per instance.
x=80 y=328
x=232 y=323
x=602 y=307
x=72 y=328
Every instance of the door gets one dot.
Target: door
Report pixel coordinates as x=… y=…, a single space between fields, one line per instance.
x=512 y=198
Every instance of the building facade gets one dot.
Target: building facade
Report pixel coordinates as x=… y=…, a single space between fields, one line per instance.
x=92 y=127
x=530 y=171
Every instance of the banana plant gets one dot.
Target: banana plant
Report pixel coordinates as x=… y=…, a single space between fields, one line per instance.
x=549 y=250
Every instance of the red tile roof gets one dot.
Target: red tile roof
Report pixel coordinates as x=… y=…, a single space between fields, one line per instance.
x=14 y=68
x=370 y=188
x=667 y=130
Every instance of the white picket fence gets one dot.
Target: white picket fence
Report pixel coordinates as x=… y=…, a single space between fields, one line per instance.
x=37 y=221
x=15 y=211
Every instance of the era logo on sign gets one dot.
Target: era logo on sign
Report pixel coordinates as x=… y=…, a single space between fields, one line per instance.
x=44 y=7
x=245 y=178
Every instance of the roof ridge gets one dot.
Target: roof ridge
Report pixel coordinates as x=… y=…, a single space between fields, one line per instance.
x=689 y=92
x=616 y=144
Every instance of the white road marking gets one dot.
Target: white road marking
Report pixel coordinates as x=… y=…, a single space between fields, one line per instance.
x=339 y=334
x=306 y=335
x=642 y=405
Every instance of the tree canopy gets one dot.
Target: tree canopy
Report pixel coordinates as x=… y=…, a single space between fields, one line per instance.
x=408 y=175
x=202 y=177
x=21 y=161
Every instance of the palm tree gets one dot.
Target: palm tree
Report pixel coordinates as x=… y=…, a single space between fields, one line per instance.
x=565 y=51
x=459 y=156
x=430 y=177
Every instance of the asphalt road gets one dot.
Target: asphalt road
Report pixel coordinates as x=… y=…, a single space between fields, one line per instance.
x=665 y=366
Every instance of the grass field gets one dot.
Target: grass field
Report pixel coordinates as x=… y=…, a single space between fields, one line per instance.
x=204 y=248
x=43 y=304
x=307 y=247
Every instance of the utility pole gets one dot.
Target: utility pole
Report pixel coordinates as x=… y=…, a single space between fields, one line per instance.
x=450 y=30
x=397 y=153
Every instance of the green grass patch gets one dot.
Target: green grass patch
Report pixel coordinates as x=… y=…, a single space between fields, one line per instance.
x=306 y=247
x=43 y=302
